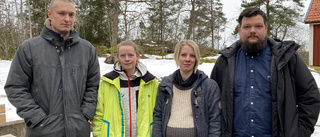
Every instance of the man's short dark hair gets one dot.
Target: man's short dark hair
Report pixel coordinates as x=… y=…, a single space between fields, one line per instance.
x=250 y=12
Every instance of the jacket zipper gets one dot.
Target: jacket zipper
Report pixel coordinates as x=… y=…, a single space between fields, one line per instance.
x=129 y=104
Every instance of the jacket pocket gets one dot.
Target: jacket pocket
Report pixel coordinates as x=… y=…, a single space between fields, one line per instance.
x=49 y=119
x=150 y=128
x=53 y=124
x=105 y=130
x=80 y=124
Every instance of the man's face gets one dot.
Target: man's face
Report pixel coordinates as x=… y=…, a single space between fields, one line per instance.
x=253 y=34
x=62 y=16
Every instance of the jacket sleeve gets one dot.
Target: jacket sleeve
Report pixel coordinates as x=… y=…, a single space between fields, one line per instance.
x=157 y=114
x=18 y=87
x=214 y=109
x=221 y=74
x=93 y=78
x=215 y=74
x=97 y=120
x=308 y=98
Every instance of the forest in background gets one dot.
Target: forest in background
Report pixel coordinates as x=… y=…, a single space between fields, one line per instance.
x=155 y=25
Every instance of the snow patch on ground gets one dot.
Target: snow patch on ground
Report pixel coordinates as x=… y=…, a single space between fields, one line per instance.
x=155 y=65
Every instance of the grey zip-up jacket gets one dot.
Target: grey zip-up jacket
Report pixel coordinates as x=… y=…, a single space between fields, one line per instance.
x=295 y=95
x=206 y=116
x=53 y=84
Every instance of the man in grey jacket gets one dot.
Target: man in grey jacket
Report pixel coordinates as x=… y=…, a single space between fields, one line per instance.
x=54 y=78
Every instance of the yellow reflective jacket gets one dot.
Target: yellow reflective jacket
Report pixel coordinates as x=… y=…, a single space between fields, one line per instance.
x=109 y=119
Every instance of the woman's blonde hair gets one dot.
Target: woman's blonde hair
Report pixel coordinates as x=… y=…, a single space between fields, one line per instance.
x=195 y=48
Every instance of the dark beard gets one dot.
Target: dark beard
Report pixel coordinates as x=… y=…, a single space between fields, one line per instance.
x=253 y=48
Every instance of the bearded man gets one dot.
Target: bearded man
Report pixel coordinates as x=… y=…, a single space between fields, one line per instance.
x=266 y=88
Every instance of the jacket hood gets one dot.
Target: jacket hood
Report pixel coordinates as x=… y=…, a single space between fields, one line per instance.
x=141 y=70
x=282 y=50
x=168 y=80
x=231 y=50
x=118 y=72
x=55 y=38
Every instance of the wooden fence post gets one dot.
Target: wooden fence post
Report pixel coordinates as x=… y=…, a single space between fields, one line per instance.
x=2 y=114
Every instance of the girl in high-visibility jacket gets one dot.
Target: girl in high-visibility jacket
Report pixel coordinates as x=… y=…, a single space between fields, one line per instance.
x=126 y=97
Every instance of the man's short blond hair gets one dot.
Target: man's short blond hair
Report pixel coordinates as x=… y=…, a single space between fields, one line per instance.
x=51 y=5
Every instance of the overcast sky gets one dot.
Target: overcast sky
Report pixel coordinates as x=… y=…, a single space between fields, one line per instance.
x=232 y=9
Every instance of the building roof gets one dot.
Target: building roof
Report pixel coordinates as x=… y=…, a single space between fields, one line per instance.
x=313 y=14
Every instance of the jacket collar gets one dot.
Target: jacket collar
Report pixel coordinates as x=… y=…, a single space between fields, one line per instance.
x=55 y=38
x=231 y=50
x=279 y=48
x=282 y=51
x=111 y=76
x=167 y=82
x=141 y=70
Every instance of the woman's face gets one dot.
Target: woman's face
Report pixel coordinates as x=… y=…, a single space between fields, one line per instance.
x=187 y=59
x=128 y=58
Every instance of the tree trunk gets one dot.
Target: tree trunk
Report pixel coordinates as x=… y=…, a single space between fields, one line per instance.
x=161 y=28
x=30 y=26
x=191 y=20
x=126 y=32
x=212 y=26
x=114 y=24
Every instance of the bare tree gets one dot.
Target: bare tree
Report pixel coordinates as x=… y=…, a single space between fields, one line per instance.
x=192 y=20
x=113 y=14
x=30 y=26
x=7 y=40
x=130 y=21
